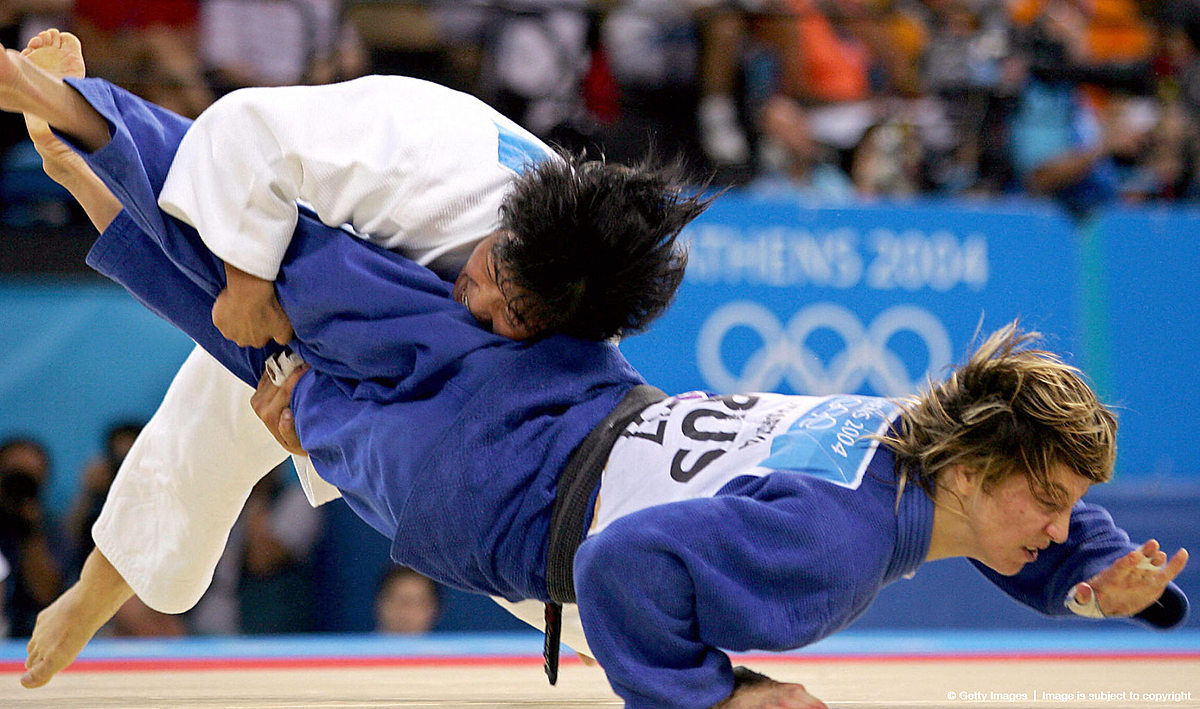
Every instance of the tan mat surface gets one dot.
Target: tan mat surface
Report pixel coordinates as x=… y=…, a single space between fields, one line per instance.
x=983 y=684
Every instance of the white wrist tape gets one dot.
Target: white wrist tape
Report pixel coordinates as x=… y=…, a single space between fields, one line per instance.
x=281 y=365
x=1091 y=609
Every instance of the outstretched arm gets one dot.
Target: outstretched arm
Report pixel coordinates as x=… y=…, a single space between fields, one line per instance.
x=1099 y=554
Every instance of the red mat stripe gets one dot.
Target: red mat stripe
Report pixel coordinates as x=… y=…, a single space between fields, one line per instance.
x=272 y=663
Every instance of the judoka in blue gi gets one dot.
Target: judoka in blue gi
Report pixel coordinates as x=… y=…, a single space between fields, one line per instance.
x=708 y=523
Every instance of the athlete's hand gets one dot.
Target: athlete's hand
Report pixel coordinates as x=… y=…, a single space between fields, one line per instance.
x=272 y=403
x=755 y=691
x=248 y=312
x=1134 y=581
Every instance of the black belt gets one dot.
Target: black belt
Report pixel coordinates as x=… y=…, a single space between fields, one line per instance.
x=576 y=485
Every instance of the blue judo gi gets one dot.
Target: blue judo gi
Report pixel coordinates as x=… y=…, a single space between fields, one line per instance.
x=450 y=441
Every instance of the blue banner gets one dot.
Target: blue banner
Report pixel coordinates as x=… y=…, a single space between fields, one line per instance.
x=1148 y=290
x=78 y=357
x=870 y=300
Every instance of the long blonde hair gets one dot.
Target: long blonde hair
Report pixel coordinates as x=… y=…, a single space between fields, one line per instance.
x=1009 y=410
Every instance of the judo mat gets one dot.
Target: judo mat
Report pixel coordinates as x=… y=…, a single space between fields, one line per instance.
x=1093 y=669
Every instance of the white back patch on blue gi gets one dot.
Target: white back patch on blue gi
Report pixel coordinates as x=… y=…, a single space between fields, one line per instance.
x=518 y=151
x=831 y=441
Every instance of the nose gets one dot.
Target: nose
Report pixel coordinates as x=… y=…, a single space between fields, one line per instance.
x=1059 y=526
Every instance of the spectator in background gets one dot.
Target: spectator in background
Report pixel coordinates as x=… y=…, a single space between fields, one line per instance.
x=406 y=602
x=97 y=477
x=793 y=162
x=148 y=47
x=968 y=70
x=309 y=43
x=14 y=15
x=4 y=569
x=1117 y=31
x=832 y=57
x=1061 y=146
x=410 y=39
x=277 y=593
x=723 y=31
x=35 y=579
x=535 y=55
x=653 y=51
x=1175 y=153
x=888 y=161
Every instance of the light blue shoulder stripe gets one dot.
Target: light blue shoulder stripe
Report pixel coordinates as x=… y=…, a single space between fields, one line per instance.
x=519 y=151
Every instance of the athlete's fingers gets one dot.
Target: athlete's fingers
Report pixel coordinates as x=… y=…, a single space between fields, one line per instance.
x=284 y=423
x=287 y=433
x=263 y=393
x=269 y=400
x=1176 y=564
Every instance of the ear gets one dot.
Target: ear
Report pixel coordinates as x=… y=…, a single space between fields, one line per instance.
x=954 y=487
x=961 y=479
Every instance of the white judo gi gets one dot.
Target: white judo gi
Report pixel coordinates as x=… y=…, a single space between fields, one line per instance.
x=406 y=164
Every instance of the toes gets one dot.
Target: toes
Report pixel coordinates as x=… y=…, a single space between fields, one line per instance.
x=33 y=679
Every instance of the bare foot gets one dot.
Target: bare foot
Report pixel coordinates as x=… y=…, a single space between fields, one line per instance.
x=63 y=628
x=22 y=83
x=26 y=87
x=61 y=55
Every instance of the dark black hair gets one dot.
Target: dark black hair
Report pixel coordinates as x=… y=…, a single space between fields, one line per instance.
x=24 y=441
x=592 y=246
x=116 y=431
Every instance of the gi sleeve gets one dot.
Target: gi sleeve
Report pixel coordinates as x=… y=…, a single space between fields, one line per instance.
x=661 y=590
x=1093 y=544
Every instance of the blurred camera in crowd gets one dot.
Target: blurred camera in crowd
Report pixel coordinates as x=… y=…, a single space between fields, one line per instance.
x=19 y=510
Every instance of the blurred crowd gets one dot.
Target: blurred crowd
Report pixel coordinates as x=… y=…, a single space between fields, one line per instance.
x=265 y=582
x=1090 y=102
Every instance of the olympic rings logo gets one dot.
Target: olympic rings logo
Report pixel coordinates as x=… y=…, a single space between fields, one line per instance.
x=786 y=356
